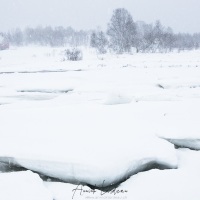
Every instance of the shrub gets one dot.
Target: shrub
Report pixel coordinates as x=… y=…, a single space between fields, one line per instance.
x=73 y=54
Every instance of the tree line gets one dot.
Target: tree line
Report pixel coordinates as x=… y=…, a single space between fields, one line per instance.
x=48 y=36
x=123 y=35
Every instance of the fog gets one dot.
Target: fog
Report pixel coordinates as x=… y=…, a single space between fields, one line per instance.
x=181 y=15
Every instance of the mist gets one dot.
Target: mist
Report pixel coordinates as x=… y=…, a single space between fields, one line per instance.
x=182 y=16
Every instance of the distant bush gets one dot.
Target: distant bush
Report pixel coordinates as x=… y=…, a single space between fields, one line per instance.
x=4 y=44
x=73 y=54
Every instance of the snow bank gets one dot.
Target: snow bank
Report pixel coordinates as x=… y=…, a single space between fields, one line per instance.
x=87 y=144
x=181 y=183
x=23 y=186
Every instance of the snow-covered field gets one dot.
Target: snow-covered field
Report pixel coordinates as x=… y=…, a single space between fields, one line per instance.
x=106 y=122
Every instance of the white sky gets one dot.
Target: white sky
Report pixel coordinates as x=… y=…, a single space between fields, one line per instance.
x=181 y=15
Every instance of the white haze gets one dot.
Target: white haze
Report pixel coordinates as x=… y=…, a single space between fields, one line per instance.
x=181 y=15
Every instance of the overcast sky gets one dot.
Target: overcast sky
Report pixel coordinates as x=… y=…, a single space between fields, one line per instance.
x=181 y=15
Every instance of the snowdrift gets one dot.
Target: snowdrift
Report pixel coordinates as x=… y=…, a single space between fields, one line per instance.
x=88 y=144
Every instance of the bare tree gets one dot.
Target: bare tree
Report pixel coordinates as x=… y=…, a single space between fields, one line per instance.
x=154 y=38
x=4 y=43
x=99 y=41
x=121 y=31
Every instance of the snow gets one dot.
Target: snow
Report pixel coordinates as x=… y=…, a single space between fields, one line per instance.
x=63 y=191
x=182 y=125
x=163 y=185
x=24 y=186
x=104 y=129
x=117 y=98
x=182 y=183
x=102 y=119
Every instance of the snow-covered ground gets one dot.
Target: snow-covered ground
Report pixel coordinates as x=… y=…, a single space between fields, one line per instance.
x=100 y=121
x=23 y=186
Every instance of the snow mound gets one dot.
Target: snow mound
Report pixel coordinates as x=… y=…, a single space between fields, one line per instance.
x=24 y=186
x=97 y=174
x=116 y=142
x=154 y=184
